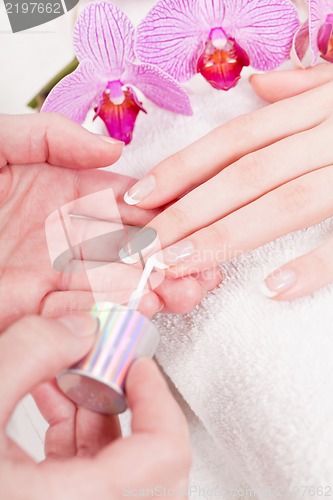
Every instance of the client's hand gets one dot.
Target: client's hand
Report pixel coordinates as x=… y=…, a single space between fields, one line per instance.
x=86 y=457
x=256 y=178
x=46 y=161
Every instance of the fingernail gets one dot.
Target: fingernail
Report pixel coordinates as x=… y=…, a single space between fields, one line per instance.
x=128 y=259
x=140 y=190
x=257 y=73
x=161 y=307
x=111 y=140
x=80 y=324
x=177 y=253
x=140 y=246
x=278 y=282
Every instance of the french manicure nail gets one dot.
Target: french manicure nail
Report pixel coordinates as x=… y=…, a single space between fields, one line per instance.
x=142 y=244
x=177 y=253
x=80 y=324
x=128 y=259
x=160 y=308
x=111 y=140
x=140 y=190
x=278 y=282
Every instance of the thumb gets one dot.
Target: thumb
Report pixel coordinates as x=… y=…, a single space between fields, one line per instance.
x=35 y=349
x=154 y=409
x=53 y=138
x=277 y=85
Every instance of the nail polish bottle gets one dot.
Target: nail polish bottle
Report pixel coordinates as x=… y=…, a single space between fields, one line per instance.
x=97 y=382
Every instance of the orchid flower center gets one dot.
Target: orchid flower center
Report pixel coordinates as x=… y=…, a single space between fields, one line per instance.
x=325 y=39
x=222 y=60
x=115 y=92
x=118 y=108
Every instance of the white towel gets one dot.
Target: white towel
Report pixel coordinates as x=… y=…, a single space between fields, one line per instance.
x=253 y=376
x=256 y=373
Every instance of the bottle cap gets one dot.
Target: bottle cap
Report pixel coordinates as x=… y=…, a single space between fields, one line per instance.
x=97 y=382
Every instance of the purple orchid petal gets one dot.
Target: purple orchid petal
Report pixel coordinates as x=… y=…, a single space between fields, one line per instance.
x=175 y=31
x=300 y=44
x=75 y=94
x=104 y=36
x=120 y=118
x=319 y=9
x=325 y=41
x=263 y=28
x=172 y=36
x=213 y=11
x=158 y=86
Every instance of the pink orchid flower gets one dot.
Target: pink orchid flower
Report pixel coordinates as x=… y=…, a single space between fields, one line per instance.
x=107 y=73
x=321 y=29
x=216 y=38
x=317 y=32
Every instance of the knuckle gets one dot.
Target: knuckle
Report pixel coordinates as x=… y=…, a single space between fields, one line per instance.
x=240 y=125
x=184 y=460
x=26 y=333
x=317 y=263
x=295 y=197
x=248 y=171
x=176 y=163
x=26 y=324
x=218 y=236
x=168 y=453
x=64 y=280
x=57 y=119
x=76 y=183
x=324 y=96
x=186 y=457
x=175 y=455
x=178 y=218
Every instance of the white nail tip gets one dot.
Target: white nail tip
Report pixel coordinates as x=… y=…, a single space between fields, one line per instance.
x=128 y=259
x=129 y=200
x=267 y=291
x=134 y=259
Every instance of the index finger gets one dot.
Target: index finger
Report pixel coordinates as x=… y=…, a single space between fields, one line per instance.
x=245 y=134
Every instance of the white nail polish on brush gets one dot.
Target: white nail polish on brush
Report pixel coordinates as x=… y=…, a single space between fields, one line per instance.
x=97 y=382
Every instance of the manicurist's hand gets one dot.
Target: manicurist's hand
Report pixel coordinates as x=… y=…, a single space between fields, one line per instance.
x=46 y=161
x=86 y=457
x=256 y=178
